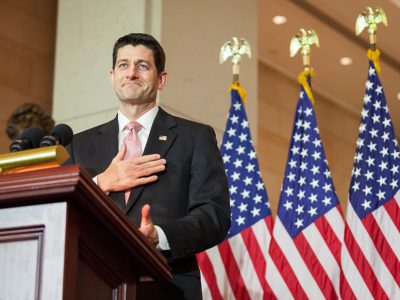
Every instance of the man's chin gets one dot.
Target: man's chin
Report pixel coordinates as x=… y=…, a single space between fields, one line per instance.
x=134 y=100
x=129 y=97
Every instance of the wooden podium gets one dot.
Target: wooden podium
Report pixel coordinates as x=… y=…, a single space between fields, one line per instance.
x=62 y=238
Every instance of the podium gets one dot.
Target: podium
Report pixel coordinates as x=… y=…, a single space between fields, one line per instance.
x=61 y=237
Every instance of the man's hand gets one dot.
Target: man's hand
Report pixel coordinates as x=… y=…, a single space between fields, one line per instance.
x=122 y=175
x=147 y=227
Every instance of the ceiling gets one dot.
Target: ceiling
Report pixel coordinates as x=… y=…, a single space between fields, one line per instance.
x=334 y=21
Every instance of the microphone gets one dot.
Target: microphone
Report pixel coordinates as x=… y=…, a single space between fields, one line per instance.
x=61 y=134
x=30 y=138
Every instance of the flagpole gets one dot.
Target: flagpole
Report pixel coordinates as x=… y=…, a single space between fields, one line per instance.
x=303 y=41
x=235 y=269
x=371 y=18
x=309 y=212
x=369 y=251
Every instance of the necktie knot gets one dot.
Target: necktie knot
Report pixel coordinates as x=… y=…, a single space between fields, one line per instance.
x=133 y=126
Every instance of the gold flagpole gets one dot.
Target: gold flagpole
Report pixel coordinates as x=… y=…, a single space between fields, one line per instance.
x=304 y=40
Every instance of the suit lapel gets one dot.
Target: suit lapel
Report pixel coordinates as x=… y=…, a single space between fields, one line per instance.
x=106 y=145
x=160 y=140
x=161 y=137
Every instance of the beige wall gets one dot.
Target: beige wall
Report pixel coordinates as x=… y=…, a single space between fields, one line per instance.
x=192 y=34
x=86 y=32
x=27 y=35
x=197 y=86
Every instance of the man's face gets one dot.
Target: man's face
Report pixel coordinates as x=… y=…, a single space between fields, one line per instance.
x=135 y=78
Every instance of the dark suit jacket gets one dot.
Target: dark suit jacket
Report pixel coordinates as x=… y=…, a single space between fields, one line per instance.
x=189 y=201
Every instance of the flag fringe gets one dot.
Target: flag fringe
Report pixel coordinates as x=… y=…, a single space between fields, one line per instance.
x=303 y=80
x=241 y=90
x=374 y=56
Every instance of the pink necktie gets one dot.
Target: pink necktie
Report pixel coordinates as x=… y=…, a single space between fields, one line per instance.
x=133 y=146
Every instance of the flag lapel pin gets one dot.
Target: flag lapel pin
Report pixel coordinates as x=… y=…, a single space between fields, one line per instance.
x=162 y=138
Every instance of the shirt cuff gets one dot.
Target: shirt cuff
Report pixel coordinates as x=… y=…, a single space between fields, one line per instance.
x=97 y=183
x=162 y=239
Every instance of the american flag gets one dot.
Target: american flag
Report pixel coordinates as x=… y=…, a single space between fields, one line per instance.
x=370 y=257
x=308 y=230
x=236 y=268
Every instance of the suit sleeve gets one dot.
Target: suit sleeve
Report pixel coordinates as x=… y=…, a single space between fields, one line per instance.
x=70 y=160
x=208 y=218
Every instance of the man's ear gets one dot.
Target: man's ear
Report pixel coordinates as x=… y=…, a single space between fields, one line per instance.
x=111 y=76
x=162 y=80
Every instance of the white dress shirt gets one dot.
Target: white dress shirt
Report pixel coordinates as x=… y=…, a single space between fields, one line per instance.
x=145 y=120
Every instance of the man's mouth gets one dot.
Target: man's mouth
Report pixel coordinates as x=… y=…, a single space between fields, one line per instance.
x=134 y=82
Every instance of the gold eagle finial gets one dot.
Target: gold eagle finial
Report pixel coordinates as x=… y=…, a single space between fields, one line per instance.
x=235 y=49
x=303 y=40
x=371 y=18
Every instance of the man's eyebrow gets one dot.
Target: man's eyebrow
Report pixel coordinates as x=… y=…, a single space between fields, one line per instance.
x=121 y=60
x=138 y=61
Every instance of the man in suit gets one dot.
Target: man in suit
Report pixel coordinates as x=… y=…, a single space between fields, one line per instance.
x=177 y=191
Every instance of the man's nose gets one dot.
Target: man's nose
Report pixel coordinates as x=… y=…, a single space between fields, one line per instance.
x=133 y=72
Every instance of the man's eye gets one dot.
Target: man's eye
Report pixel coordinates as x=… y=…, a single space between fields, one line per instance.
x=143 y=67
x=122 y=66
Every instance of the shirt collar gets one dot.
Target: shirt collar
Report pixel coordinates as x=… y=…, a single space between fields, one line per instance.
x=146 y=120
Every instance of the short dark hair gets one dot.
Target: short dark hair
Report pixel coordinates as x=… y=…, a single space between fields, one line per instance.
x=146 y=40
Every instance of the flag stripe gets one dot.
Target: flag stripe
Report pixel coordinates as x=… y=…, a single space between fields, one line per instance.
x=279 y=286
x=377 y=247
x=313 y=264
x=393 y=210
x=361 y=258
x=243 y=258
x=389 y=230
x=240 y=261
x=262 y=233
x=291 y=287
x=346 y=292
x=207 y=272
x=308 y=243
x=204 y=288
x=381 y=243
x=234 y=275
x=302 y=274
x=256 y=255
x=324 y=254
x=325 y=226
x=334 y=234
x=336 y=222
x=220 y=272
x=372 y=236
x=354 y=283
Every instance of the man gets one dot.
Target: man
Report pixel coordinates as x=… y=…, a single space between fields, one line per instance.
x=176 y=192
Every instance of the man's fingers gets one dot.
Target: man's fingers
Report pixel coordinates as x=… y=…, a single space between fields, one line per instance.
x=135 y=166
x=146 y=180
x=147 y=158
x=121 y=154
x=126 y=174
x=145 y=169
x=146 y=219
